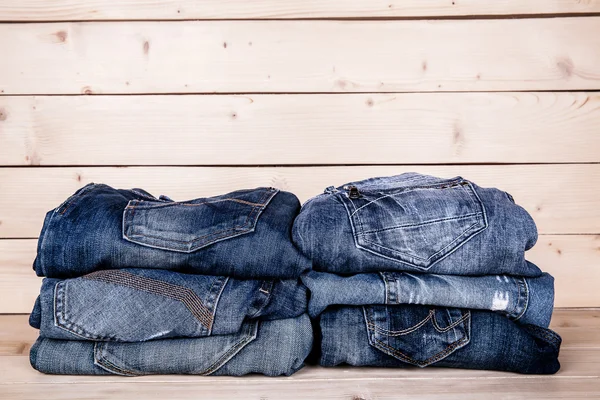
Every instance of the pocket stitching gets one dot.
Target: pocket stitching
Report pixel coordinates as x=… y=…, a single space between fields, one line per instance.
x=232 y=351
x=129 y=212
x=182 y=294
x=474 y=198
x=469 y=235
x=436 y=357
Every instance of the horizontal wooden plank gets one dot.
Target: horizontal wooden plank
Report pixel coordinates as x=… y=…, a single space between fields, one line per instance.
x=561 y=198
x=19 y=286
x=572 y=259
x=300 y=129
x=303 y=56
x=41 y=10
x=281 y=388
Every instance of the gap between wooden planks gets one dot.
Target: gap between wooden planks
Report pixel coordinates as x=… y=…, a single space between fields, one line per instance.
x=424 y=128
x=40 y=10
x=300 y=56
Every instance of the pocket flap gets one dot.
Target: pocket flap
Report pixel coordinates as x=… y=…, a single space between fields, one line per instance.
x=417 y=222
x=201 y=356
x=191 y=225
x=417 y=335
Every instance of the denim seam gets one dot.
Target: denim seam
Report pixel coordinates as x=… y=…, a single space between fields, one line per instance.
x=431 y=222
x=266 y=299
x=466 y=232
x=403 y=331
x=67 y=203
x=526 y=287
x=452 y=325
x=163 y=204
x=103 y=362
x=67 y=325
x=183 y=294
x=216 y=301
x=436 y=357
x=403 y=190
x=550 y=336
x=100 y=359
x=213 y=236
x=475 y=199
x=433 y=358
x=246 y=338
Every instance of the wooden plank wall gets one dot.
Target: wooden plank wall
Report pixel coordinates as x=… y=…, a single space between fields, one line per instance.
x=194 y=99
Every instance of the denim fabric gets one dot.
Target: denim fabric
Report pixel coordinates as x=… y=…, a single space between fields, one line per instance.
x=141 y=304
x=413 y=335
x=416 y=223
x=526 y=300
x=244 y=234
x=277 y=347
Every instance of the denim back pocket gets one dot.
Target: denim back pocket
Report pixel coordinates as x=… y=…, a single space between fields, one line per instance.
x=417 y=335
x=417 y=222
x=137 y=305
x=176 y=356
x=191 y=225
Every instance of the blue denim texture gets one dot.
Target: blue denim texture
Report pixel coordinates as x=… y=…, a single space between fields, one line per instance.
x=416 y=223
x=277 y=347
x=526 y=300
x=244 y=234
x=134 y=305
x=414 y=335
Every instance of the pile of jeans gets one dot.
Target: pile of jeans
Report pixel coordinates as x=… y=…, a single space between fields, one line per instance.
x=393 y=271
x=142 y=285
x=423 y=271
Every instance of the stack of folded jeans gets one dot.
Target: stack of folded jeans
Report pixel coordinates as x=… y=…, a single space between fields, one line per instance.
x=418 y=270
x=142 y=285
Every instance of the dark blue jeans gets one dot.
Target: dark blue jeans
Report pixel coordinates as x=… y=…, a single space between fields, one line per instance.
x=412 y=335
x=244 y=234
x=416 y=223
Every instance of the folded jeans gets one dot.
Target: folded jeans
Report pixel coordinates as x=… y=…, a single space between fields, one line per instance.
x=132 y=305
x=243 y=234
x=416 y=223
x=277 y=347
x=526 y=300
x=414 y=335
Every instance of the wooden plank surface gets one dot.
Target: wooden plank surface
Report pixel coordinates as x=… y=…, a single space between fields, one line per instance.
x=561 y=198
x=300 y=56
x=300 y=129
x=40 y=10
x=572 y=259
x=578 y=377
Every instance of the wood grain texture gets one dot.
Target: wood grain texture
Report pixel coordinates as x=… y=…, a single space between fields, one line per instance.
x=300 y=56
x=300 y=129
x=40 y=10
x=572 y=259
x=281 y=388
x=19 y=286
x=561 y=198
